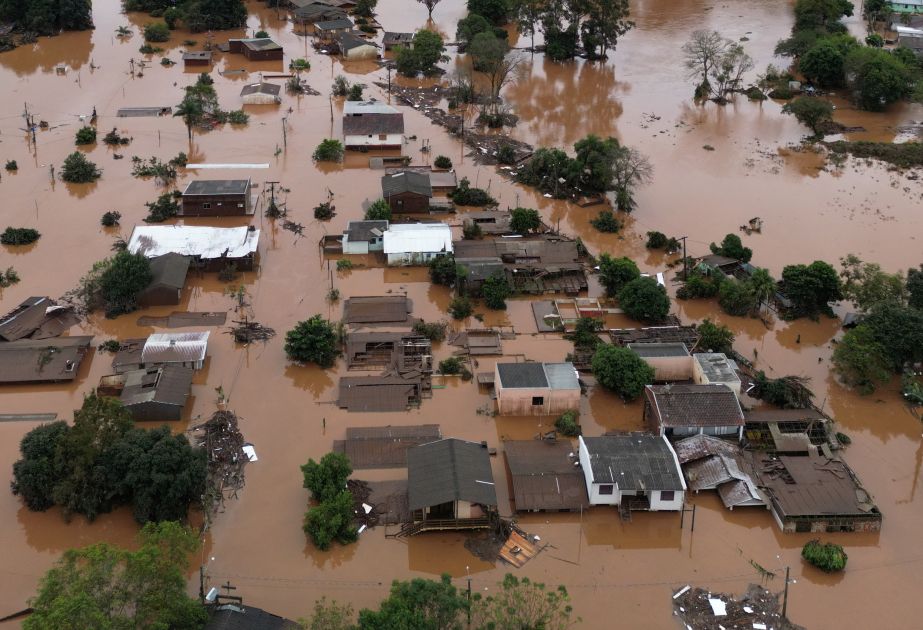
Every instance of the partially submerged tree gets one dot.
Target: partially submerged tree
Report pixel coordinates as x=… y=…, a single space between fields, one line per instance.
x=430 y=5
x=714 y=337
x=418 y=604
x=732 y=247
x=495 y=290
x=379 y=210
x=615 y=273
x=645 y=300
x=867 y=285
x=525 y=220
x=860 y=361
x=124 y=277
x=79 y=170
x=717 y=63
x=811 y=288
x=621 y=370
x=313 y=340
x=427 y=51
x=811 y=111
x=329 y=150
x=520 y=603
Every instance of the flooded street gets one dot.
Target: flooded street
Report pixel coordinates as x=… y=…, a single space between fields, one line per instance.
x=613 y=570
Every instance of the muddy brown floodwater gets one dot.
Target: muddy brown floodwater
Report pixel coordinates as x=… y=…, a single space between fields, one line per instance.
x=618 y=574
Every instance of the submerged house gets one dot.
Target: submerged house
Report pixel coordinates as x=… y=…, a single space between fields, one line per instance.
x=168 y=277
x=211 y=249
x=407 y=192
x=42 y=360
x=36 y=317
x=372 y=126
x=710 y=463
x=256 y=49
x=262 y=93
x=197 y=58
x=393 y=39
x=416 y=243
x=327 y=29
x=635 y=471
x=216 y=198
x=682 y=410
x=154 y=393
x=544 y=476
x=363 y=237
x=181 y=349
x=536 y=389
x=314 y=11
x=671 y=361
x=355 y=48
x=714 y=368
x=450 y=485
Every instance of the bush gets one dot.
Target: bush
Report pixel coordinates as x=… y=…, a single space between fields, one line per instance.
x=615 y=273
x=8 y=278
x=355 y=93
x=124 y=277
x=605 y=221
x=736 y=298
x=329 y=151
x=165 y=207
x=261 y=35
x=332 y=520
x=877 y=78
x=524 y=220
x=811 y=111
x=379 y=210
x=444 y=271
x=506 y=154
x=442 y=161
x=460 y=308
x=621 y=370
x=732 y=247
x=156 y=32
x=698 y=285
x=827 y=557
x=85 y=135
x=110 y=219
x=495 y=291
x=324 y=211
x=465 y=195
x=19 y=236
x=79 y=170
x=340 y=86
x=11 y=165
x=344 y=264
x=313 y=340
x=714 y=337
x=434 y=331
x=452 y=365
x=644 y=300
x=238 y=117
x=299 y=65
x=566 y=424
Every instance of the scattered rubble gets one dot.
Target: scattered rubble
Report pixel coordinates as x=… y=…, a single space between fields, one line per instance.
x=246 y=332
x=224 y=447
x=757 y=609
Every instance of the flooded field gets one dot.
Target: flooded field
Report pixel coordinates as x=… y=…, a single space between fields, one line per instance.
x=613 y=570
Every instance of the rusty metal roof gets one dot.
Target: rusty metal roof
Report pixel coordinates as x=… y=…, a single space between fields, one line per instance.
x=449 y=470
x=384 y=447
x=695 y=405
x=701 y=446
x=36 y=361
x=544 y=476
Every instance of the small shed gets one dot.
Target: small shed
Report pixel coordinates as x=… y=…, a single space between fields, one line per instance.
x=256 y=49
x=671 y=361
x=544 y=476
x=416 y=243
x=407 y=192
x=682 y=410
x=635 y=471
x=328 y=29
x=709 y=368
x=217 y=197
x=450 y=485
x=168 y=279
x=392 y=40
x=362 y=237
x=536 y=389
x=197 y=58
x=154 y=393
x=262 y=93
x=180 y=349
x=355 y=48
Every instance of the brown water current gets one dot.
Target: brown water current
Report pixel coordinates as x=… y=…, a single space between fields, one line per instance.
x=619 y=575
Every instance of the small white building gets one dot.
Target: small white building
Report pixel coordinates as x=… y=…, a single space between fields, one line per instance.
x=416 y=243
x=714 y=368
x=635 y=471
x=261 y=94
x=362 y=237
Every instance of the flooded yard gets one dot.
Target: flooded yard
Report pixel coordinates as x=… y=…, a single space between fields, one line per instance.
x=641 y=95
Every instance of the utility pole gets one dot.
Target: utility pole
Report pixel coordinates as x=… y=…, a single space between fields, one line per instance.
x=330 y=100
x=469 y=595
x=272 y=191
x=284 y=135
x=202 y=583
x=785 y=595
x=685 y=272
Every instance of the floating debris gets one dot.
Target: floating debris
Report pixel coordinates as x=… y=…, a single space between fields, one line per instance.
x=247 y=332
x=224 y=448
x=700 y=609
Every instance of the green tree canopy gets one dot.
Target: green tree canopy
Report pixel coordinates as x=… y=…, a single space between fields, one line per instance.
x=379 y=210
x=899 y=331
x=621 y=370
x=332 y=520
x=644 y=300
x=79 y=170
x=714 y=337
x=860 y=361
x=811 y=288
x=732 y=247
x=123 y=279
x=444 y=270
x=313 y=340
x=615 y=273
x=47 y=18
x=497 y=11
x=327 y=478
x=877 y=78
x=812 y=14
x=525 y=220
x=810 y=111
x=520 y=604
x=427 y=51
x=866 y=284
x=495 y=290
x=824 y=62
x=418 y=604
x=915 y=287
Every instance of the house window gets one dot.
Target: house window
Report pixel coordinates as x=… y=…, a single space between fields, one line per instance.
x=240 y=205
x=206 y=206
x=382 y=136
x=667 y=495
x=370 y=135
x=538 y=401
x=606 y=488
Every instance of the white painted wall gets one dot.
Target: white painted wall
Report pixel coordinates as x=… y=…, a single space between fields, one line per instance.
x=391 y=140
x=407 y=259
x=362 y=52
x=658 y=504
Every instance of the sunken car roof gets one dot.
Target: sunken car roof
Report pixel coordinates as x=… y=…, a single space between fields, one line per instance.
x=695 y=405
x=217 y=187
x=638 y=461
x=449 y=470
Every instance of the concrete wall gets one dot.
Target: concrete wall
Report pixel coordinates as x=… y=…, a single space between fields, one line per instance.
x=671 y=368
x=658 y=504
x=517 y=401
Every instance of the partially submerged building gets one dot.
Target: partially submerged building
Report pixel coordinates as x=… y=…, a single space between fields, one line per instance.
x=683 y=410
x=544 y=476
x=536 y=389
x=256 y=49
x=377 y=309
x=714 y=368
x=327 y=29
x=364 y=237
x=36 y=318
x=262 y=93
x=391 y=40
x=407 y=192
x=416 y=243
x=788 y=430
x=237 y=616
x=490 y=222
x=671 y=361
x=402 y=351
x=450 y=485
x=384 y=447
x=211 y=249
x=710 y=463
x=313 y=12
x=186 y=349
x=42 y=360
x=355 y=48
x=635 y=471
x=168 y=277
x=388 y=392
x=154 y=393
x=372 y=126
x=216 y=198
x=655 y=334
x=197 y=58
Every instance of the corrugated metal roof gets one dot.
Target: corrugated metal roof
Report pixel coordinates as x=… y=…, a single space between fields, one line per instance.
x=695 y=405
x=397 y=38
x=334 y=25
x=700 y=446
x=449 y=470
x=406 y=181
x=364 y=230
x=651 y=350
x=240 y=617
x=544 y=475
x=352 y=108
x=418 y=238
x=368 y=124
x=377 y=309
x=217 y=186
x=175 y=347
x=634 y=461
x=348 y=41
x=193 y=240
x=169 y=271
x=261 y=88
x=561 y=376
x=25 y=318
x=169 y=385
x=717 y=367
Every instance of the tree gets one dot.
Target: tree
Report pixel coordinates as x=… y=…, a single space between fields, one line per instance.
x=85 y=135
x=379 y=210
x=525 y=220
x=644 y=300
x=811 y=288
x=877 y=78
x=736 y=298
x=621 y=370
x=630 y=170
x=497 y=11
x=330 y=615
x=860 y=361
x=443 y=270
x=487 y=52
x=427 y=51
x=823 y=63
x=615 y=273
x=496 y=290
x=732 y=247
x=811 y=111
x=875 y=11
x=328 y=150
x=192 y=112
x=79 y=170
x=465 y=195
x=586 y=333
x=35 y=474
x=355 y=92
x=47 y=18
x=124 y=278
x=899 y=331
x=714 y=337
x=460 y=307
x=418 y=604
x=828 y=557
x=163 y=208
x=866 y=285
x=528 y=15
x=331 y=520
x=915 y=287
x=717 y=62
x=19 y=236
x=606 y=222
x=521 y=603
x=442 y=161
x=313 y=340
x=106 y=587
x=366 y=8
x=813 y=14
x=430 y=5
x=327 y=478
x=606 y=21
x=214 y=15
x=156 y=32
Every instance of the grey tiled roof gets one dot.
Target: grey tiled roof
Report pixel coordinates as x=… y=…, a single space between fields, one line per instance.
x=634 y=461
x=522 y=375
x=695 y=405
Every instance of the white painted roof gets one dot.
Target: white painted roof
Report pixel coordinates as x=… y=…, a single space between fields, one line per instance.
x=352 y=108
x=193 y=240
x=408 y=238
x=175 y=347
